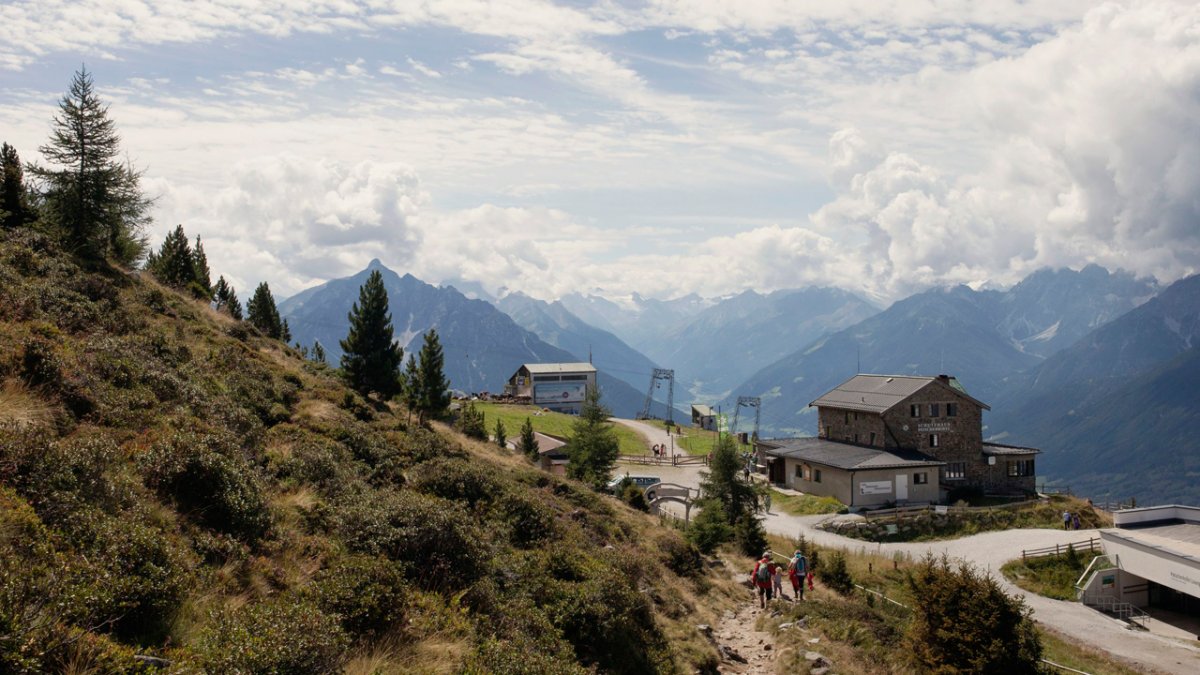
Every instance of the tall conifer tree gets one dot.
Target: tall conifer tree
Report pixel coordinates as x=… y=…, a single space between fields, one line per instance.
x=528 y=445
x=593 y=448
x=318 y=352
x=174 y=264
x=200 y=272
x=433 y=389
x=371 y=359
x=94 y=198
x=263 y=313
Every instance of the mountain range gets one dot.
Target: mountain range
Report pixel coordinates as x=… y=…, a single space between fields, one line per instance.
x=483 y=346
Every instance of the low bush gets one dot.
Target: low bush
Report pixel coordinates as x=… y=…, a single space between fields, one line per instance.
x=679 y=555
x=368 y=595
x=530 y=520
x=749 y=535
x=834 y=574
x=439 y=539
x=635 y=497
x=457 y=480
x=710 y=528
x=286 y=635
x=208 y=479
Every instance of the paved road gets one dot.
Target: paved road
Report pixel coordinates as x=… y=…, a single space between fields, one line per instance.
x=1162 y=649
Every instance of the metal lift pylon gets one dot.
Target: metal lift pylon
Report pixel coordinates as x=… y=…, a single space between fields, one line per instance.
x=660 y=374
x=749 y=402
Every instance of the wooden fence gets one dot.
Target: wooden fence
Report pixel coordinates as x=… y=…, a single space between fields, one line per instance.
x=1090 y=546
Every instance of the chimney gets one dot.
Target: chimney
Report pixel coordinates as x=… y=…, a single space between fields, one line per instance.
x=945 y=379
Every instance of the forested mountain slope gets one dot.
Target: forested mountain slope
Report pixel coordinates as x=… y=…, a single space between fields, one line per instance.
x=174 y=484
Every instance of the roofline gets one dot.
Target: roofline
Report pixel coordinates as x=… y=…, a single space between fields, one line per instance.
x=931 y=379
x=912 y=462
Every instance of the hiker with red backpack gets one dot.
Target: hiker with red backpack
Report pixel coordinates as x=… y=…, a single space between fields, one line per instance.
x=761 y=578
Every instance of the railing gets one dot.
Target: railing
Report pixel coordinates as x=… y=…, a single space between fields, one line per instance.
x=1111 y=506
x=1054 y=490
x=673 y=460
x=901 y=511
x=1121 y=610
x=1086 y=577
x=1090 y=546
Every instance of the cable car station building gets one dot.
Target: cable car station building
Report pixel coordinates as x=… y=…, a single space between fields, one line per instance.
x=885 y=439
x=560 y=387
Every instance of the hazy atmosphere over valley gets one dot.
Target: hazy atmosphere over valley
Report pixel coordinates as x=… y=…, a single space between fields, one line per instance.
x=661 y=148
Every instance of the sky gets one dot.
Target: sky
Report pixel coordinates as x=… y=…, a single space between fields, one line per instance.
x=660 y=147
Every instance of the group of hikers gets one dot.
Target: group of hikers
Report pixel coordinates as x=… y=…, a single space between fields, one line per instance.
x=767 y=578
x=661 y=450
x=1070 y=520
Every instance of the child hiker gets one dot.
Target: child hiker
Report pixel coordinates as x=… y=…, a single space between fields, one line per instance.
x=797 y=571
x=777 y=581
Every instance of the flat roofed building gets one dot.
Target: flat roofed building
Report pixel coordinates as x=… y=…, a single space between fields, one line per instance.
x=704 y=417
x=1156 y=554
x=560 y=387
x=855 y=475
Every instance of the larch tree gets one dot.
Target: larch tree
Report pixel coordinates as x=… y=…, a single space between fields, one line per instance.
x=593 y=449
x=371 y=358
x=432 y=392
x=94 y=199
x=15 y=210
x=318 y=352
x=262 y=312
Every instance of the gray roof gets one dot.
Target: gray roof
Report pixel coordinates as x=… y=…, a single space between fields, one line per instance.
x=1001 y=449
x=548 y=444
x=880 y=393
x=551 y=368
x=702 y=410
x=845 y=455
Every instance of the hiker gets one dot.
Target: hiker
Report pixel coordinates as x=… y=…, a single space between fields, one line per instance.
x=797 y=571
x=1066 y=520
x=655 y=448
x=777 y=580
x=761 y=578
x=1074 y=521
x=767 y=502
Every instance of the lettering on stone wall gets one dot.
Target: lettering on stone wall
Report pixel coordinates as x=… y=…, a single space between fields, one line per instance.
x=933 y=427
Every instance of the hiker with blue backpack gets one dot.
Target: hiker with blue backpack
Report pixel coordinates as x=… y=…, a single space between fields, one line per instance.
x=797 y=571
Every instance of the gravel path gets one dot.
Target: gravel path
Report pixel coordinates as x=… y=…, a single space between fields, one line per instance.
x=1149 y=650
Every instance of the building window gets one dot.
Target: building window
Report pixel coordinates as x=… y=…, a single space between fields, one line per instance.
x=799 y=471
x=847 y=417
x=574 y=378
x=1020 y=468
x=934 y=410
x=921 y=478
x=816 y=475
x=872 y=439
x=956 y=471
x=951 y=410
x=933 y=440
x=914 y=410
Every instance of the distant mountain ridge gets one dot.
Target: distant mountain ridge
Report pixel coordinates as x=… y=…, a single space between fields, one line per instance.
x=714 y=350
x=981 y=337
x=483 y=346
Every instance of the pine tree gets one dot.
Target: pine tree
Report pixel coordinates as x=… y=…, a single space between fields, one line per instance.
x=471 y=423
x=174 y=263
x=724 y=482
x=432 y=388
x=593 y=448
x=200 y=272
x=285 y=332
x=93 y=198
x=318 y=352
x=412 y=385
x=501 y=434
x=263 y=314
x=529 y=444
x=233 y=305
x=14 y=195
x=221 y=294
x=371 y=359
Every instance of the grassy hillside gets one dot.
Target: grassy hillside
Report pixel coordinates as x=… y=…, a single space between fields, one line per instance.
x=552 y=423
x=173 y=484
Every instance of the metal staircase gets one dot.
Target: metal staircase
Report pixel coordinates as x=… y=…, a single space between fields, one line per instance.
x=1084 y=591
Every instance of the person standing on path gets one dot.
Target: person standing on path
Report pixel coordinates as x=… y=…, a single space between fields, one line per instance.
x=777 y=580
x=761 y=578
x=797 y=571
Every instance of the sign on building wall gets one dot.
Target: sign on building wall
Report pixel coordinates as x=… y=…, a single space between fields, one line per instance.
x=875 y=487
x=933 y=427
x=570 y=392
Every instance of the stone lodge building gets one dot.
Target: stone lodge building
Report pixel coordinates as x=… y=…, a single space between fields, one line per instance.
x=902 y=426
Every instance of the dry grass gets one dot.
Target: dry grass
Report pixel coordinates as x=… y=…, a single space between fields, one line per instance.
x=433 y=655
x=21 y=406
